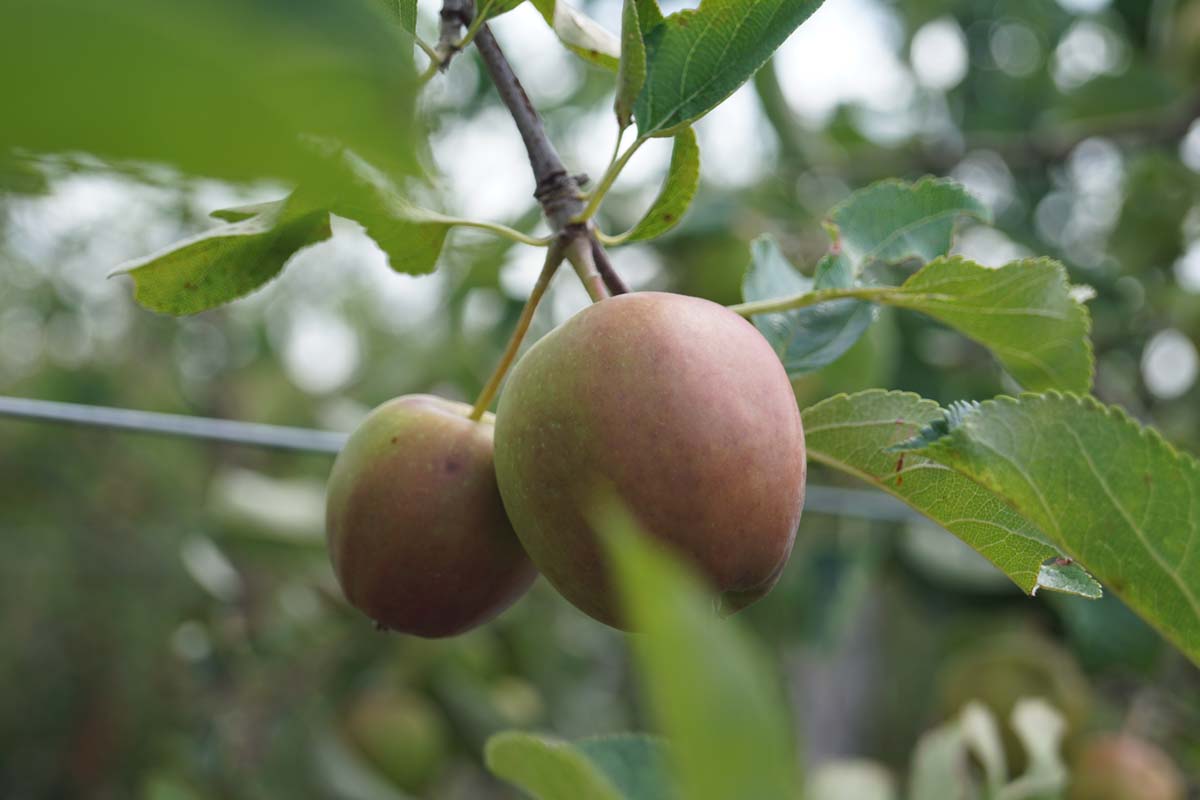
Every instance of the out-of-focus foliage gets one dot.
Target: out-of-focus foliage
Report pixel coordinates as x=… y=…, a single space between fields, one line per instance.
x=170 y=624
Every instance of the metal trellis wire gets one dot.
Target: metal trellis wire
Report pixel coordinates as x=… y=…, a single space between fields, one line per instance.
x=821 y=499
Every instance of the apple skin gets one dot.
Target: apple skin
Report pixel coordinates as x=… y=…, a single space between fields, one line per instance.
x=417 y=532
x=680 y=406
x=1123 y=767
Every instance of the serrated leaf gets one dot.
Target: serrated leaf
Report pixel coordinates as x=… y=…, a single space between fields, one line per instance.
x=548 y=768
x=683 y=178
x=1104 y=489
x=227 y=262
x=893 y=221
x=582 y=35
x=724 y=715
x=649 y=14
x=856 y=434
x=631 y=73
x=225 y=88
x=805 y=339
x=1023 y=312
x=696 y=58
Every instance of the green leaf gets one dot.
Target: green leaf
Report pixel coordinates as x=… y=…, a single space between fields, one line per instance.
x=636 y=764
x=696 y=58
x=227 y=88
x=1109 y=492
x=1023 y=312
x=805 y=339
x=226 y=262
x=855 y=434
x=548 y=768
x=498 y=7
x=411 y=237
x=711 y=690
x=893 y=221
x=408 y=14
x=582 y=35
x=649 y=14
x=683 y=178
x=631 y=74
x=404 y=12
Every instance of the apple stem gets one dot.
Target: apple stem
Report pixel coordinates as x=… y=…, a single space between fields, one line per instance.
x=579 y=253
x=554 y=257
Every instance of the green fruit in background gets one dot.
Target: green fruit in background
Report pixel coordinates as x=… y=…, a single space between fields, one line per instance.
x=401 y=735
x=1123 y=767
x=682 y=408
x=417 y=532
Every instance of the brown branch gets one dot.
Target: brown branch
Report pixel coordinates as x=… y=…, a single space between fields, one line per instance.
x=559 y=192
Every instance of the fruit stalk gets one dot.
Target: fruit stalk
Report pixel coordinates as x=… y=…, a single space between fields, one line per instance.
x=554 y=257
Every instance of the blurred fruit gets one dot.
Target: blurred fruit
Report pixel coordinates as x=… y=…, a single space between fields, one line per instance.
x=401 y=734
x=1123 y=767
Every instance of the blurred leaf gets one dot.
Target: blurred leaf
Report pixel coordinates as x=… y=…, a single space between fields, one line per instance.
x=982 y=736
x=941 y=762
x=805 y=339
x=226 y=88
x=711 y=689
x=893 y=221
x=226 y=262
x=1108 y=491
x=683 y=178
x=855 y=433
x=843 y=780
x=581 y=34
x=636 y=764
x=1041 y=729
x=939 y=766
x=1023 y=312
x=549 y=768
x=697 y=57
x=631 y=73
